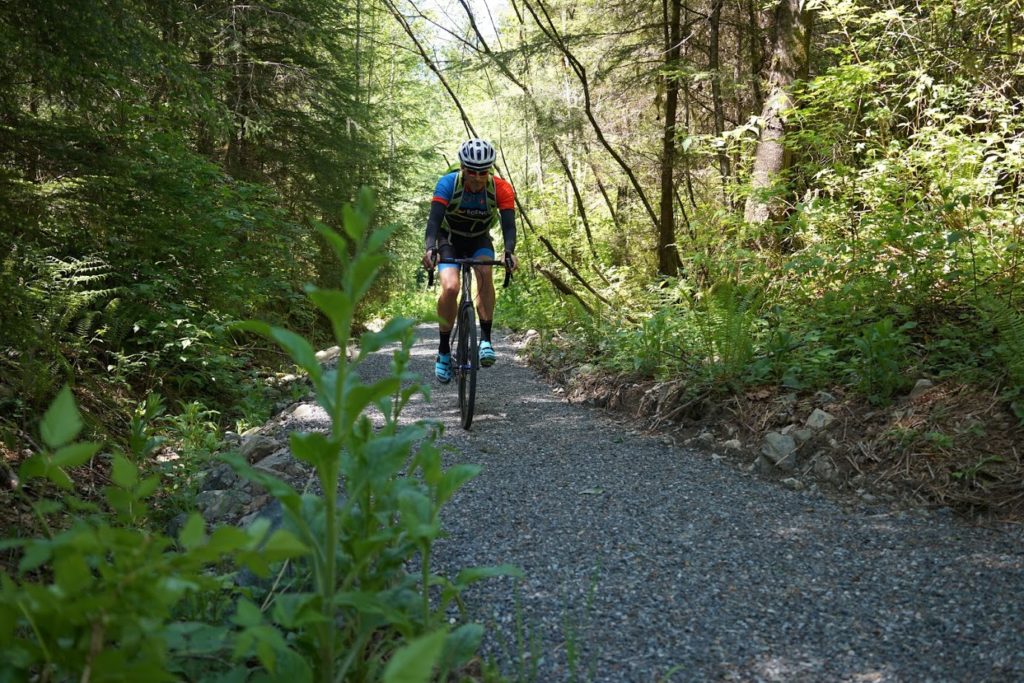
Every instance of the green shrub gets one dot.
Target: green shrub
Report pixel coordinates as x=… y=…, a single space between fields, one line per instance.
x=107 y=597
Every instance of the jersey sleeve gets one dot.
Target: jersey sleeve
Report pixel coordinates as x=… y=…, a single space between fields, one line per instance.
x=445 y=188
x=504 y=194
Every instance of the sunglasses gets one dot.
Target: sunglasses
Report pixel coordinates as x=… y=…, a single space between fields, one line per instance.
x=471 y=172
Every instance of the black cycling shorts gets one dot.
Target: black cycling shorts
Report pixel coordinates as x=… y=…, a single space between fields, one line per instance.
x=456 y=246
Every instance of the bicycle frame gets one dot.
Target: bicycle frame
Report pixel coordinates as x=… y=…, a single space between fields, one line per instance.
x=465 y=355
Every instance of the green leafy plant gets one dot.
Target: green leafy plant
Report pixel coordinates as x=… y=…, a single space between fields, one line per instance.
x=108 y=597
x=96 y=598
x=373 y=517
x=881 y=351
x=724 y=320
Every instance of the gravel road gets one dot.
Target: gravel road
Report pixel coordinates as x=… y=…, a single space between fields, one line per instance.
x=646 y=562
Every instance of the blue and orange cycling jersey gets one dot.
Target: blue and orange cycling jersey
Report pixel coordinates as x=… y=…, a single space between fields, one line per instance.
x=473 y=206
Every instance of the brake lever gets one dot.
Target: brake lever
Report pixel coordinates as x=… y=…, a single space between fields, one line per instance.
x=508 y=271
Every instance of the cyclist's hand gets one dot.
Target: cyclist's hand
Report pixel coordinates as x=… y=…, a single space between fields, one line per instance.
x=430 y=259
x=511 y=261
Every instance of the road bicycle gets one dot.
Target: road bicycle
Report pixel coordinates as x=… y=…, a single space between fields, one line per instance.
x=465 y=350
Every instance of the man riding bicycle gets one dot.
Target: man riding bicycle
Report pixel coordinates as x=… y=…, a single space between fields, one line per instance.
x=466 y=205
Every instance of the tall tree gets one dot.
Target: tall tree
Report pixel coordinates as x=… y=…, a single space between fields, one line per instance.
x=791 y=35
x=668 y=254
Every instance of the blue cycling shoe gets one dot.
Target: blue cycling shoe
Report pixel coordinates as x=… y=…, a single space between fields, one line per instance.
x=487 y=355
x=443 y=368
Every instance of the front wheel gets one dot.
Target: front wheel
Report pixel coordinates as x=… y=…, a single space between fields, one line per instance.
x=466 y=363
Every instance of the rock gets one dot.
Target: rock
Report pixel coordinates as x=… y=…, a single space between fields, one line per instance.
x=780 y=449
x=802 y=436
x=282 y=463
x=823 y=398
x=530 y=337
x=706 y=438
x=251 y=431
x=734 y=444
x=824 y=469
x=220 y=477
x=763 y=466
x=583 y=370
x=328 y=354
x=920 y=387
x=231 y=439
x=868 y=498
x=176 y=524
x=819 y=419
x=305 y=411
x=793 y=484
x=222 y=505
x=257 y=447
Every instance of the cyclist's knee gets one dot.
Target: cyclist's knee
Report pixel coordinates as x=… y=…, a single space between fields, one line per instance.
x=449 y=288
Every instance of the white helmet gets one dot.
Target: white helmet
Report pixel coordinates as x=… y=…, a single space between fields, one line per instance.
x=476 y=154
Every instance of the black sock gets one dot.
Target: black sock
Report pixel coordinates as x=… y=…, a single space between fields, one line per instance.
x=445 y=347
x=485 y=330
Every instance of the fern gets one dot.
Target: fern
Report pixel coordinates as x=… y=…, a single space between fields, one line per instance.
x=78 y=293
x=1009 y=328
x=724 y=318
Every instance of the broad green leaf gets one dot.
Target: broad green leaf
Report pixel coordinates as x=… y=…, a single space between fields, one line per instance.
x=356 y=220
x=193 y=534
x=414 y=663
x=379 y=236
x=371 y=603
x=123 y=472
x=284 y=545
x=147 y=486
x=359 y=396
x=461 y=645
x=393 y=331
x=227 y=539
x=453 y=479
x=363 y=273
x=247 y=614
x=60 y=478
x=336 y=240
x=74 y=455
x=61 y=422
x=36 y=555
x=48 y=507
x=296 y=610
x=337 y=306
x=72 y=574
x=32 y=468
x=297 y=347
x=312 y=447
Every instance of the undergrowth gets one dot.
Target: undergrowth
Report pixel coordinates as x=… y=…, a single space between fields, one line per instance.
x=347 y=591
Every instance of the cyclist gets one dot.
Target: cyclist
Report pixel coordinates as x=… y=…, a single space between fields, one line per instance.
x=466 y=205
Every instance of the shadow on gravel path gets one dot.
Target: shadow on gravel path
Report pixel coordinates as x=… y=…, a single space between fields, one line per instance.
x=647 y=562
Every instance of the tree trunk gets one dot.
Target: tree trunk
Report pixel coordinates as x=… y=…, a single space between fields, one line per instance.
x=716 y=90
x=668 y=254
x=791 y=34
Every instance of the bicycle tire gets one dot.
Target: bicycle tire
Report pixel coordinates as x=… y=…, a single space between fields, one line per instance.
x=466 y=361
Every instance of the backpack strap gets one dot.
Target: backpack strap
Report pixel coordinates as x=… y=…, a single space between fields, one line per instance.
x=480 y=225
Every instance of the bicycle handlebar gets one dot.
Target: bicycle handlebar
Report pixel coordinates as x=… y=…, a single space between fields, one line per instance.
x=463 y=262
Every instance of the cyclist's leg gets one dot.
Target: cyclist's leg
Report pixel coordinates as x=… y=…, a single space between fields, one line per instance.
x=447 y=302
x=485 y=301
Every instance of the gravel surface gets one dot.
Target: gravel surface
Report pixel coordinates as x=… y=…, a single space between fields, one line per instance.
x=646 y=562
